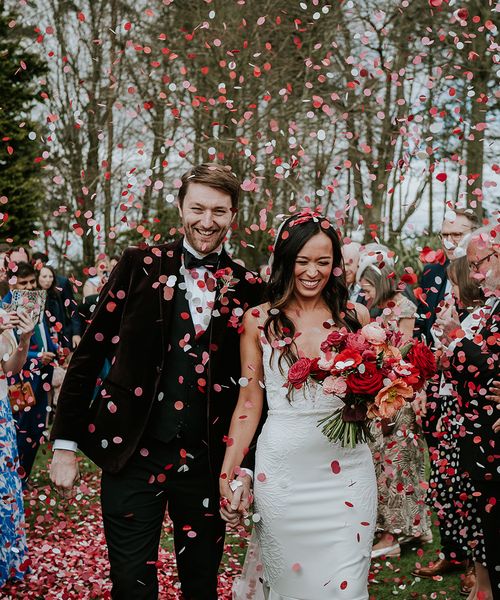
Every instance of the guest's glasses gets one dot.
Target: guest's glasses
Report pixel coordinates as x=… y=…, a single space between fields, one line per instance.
x=455 y=236
x=475 y=264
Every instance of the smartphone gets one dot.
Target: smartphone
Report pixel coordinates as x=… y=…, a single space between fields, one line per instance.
x=32 y=301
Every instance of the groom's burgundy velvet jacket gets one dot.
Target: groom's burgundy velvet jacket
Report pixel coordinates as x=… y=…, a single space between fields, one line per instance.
x=129 y=327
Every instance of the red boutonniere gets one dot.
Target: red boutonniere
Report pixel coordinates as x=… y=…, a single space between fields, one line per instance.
x=225 y=280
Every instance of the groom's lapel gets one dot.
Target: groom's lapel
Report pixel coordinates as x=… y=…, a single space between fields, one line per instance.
x=171 y=258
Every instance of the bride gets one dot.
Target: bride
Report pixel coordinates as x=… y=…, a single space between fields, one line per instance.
x=315 y=502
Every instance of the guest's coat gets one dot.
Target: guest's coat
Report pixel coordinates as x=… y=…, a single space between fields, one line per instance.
x=433 y=284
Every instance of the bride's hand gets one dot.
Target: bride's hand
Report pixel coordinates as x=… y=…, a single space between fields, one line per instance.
x=242 y=493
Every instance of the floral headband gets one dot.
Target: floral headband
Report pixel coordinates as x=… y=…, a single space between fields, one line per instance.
x=305 y=215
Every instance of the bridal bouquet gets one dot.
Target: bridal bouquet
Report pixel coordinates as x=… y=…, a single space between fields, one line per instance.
x=372 y=371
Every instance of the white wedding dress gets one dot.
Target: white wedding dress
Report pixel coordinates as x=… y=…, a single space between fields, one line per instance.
x=315 y=503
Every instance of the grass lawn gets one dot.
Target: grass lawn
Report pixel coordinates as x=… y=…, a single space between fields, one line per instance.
x=69 y=554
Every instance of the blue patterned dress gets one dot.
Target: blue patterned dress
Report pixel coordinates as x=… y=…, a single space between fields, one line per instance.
x=13 y=550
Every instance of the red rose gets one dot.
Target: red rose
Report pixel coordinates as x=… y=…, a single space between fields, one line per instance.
x=347 y=359
x=317 y=373
x=368 y=383
x=336 y=339
x=423 y=359
x=299 y=372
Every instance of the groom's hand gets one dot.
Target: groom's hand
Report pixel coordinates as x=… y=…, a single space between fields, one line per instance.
x=242 y=494
x=64 y=471
x=228 y=514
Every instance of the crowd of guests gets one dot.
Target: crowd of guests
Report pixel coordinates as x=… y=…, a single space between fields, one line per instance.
x=452 y=426
x=456 y=309
x=28 y=387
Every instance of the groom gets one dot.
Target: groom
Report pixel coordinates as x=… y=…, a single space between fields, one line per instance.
x=169 y=321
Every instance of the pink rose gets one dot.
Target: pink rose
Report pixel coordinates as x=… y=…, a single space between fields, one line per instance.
x=357 y=342
x=335 y=385
x=374 y=334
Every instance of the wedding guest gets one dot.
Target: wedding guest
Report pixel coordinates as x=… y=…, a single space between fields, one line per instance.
x=381 y=292
x=169 y=319
x=381 y=256
x=17 y=254
x=98 y=277
x=436 y=296
x=4 y=286
x=37 y=370
x=113 y=261
x=449 y=491
x=351 y=253
x=55 y=311
x=398 y=448
x=13 y=353
x=73 y=329
x=434 y=281
x=473 y=367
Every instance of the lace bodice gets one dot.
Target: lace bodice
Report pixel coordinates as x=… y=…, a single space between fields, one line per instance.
x=310 y=398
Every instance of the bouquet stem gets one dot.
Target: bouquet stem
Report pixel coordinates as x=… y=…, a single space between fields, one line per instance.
x=348 y=433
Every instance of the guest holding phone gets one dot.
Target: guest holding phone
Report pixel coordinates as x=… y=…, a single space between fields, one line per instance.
x=37 y=370
x=13 y=563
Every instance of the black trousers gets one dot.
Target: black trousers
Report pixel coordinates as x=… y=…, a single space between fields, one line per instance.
x=490 y=524
x=133 y=507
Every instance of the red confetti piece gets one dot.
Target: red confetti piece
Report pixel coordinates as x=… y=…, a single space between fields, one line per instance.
x=335 y=467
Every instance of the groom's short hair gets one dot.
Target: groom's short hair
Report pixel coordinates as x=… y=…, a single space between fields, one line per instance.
x=215 y=176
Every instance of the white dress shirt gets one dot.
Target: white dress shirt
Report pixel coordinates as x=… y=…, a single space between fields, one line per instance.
x=199 y=297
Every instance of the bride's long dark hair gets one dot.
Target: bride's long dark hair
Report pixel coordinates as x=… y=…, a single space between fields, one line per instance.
x=294 y=233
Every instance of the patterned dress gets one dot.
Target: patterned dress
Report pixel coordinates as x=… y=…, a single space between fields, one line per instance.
x=13 y=550
x=399 y=454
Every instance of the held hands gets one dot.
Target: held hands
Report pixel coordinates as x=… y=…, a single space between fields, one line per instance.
x=236 y=498
x=64 y=471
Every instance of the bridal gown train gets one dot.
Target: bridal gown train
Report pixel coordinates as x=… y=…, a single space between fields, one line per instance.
x=317 y=501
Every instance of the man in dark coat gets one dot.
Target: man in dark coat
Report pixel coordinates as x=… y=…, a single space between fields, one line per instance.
x=168 y=320
x=434 y=280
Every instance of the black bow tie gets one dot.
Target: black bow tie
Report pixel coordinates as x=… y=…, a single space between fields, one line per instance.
x=210 y=261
